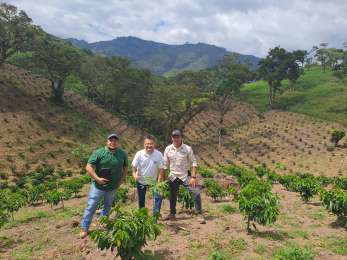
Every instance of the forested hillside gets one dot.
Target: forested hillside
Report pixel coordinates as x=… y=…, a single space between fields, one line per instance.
x=163 y=59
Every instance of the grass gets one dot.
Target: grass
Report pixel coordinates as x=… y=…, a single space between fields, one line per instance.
x=336 y=244
x=261 y=249
x=293 y=252
x=315 y=93
x=228 y=209
x=300 y=233
x=26 y=215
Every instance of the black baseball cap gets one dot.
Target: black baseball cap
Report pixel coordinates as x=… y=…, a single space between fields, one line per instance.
x=112 y=135
x=176 y=132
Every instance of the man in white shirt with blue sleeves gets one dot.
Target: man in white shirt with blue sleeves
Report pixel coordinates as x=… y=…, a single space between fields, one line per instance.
x=146 y=164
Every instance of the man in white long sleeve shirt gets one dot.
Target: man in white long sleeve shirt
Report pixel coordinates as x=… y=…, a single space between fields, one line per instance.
x=179 y=159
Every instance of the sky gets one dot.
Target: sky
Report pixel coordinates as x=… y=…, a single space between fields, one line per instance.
x=244 y=26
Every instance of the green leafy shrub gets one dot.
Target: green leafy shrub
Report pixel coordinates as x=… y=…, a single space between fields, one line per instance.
x=35 y=193
x=205 y=172
x=185 y=198
x=4 y=216
x=325 y=181
x=341 y=183
x=289 y=182
x=127 y=232
x=54 y=197
x=307 y=187
x=272 y=177
x=293 y=252
x=214 y=189
x=335 y=200
x=81 y=153
x=258 y=204
x=228 y=209
x=74 y=185
x=336 y=136
x=233 y=170
x=246 y=177
x=261 y=171
x=217 y=255
x=12 y=202
x=85 y=178
x=131 y=181
x=159 y=187
x=121 y=195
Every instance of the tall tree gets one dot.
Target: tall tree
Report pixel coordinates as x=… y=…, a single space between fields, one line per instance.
x=16 y=31
x=173 y=106
x=231 y=76
x=277 y=66
x=274 y=69
x=321 y=55
x=56 y=60
x=296 y=61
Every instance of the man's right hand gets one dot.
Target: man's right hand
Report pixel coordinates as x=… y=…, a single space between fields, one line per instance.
x=101 y=181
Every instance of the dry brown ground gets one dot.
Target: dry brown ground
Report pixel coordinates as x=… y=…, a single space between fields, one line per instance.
x=286 y=142
x=35 y=132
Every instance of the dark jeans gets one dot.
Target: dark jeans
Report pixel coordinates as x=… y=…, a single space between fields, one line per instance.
x=141 y=192
x=194 y=192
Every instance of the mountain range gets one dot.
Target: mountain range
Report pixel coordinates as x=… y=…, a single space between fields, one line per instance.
x=160 y=58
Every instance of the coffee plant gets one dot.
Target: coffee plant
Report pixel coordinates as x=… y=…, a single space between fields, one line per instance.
x=126 y=231
x=74 y=185
x=121 y=195
x=335 y=200
x=258 y=204
x=214 y=189
x=35 y=193
x=289 y=182
x=336 y=136
x=161 y=188
x=54 y=197
x=341 y=183
x=205 y=172
x=185 y=198
x=307 y=187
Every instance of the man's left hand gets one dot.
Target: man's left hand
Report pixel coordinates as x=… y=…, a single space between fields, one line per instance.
x=193 y=182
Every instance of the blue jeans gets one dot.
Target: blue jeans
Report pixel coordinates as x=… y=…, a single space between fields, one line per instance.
x=141 y=192
x=94 y=197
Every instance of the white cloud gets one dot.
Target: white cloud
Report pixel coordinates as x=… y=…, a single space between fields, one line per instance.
x=245 y=26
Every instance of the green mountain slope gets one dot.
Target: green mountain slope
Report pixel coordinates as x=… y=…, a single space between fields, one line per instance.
x=160 y=58
x=316 y=93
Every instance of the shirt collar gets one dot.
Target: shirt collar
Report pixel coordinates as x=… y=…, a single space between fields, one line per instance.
x=109 y=151
x=178 y=148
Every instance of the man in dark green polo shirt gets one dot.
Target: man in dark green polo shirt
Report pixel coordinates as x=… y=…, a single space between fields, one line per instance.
x=107 y=166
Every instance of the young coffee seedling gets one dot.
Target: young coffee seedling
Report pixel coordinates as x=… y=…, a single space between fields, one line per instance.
x=258 y=204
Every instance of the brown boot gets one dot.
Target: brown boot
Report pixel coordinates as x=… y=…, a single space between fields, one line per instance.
x=201 y=219
x=83 y=234
x=170 y=217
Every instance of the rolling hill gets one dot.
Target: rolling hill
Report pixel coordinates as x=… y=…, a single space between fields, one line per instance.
x=160 y=58
x=35 y=132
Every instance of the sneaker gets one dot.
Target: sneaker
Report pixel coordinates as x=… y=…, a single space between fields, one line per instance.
x=170 y=217
x=201 y=219
x=83 y=234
